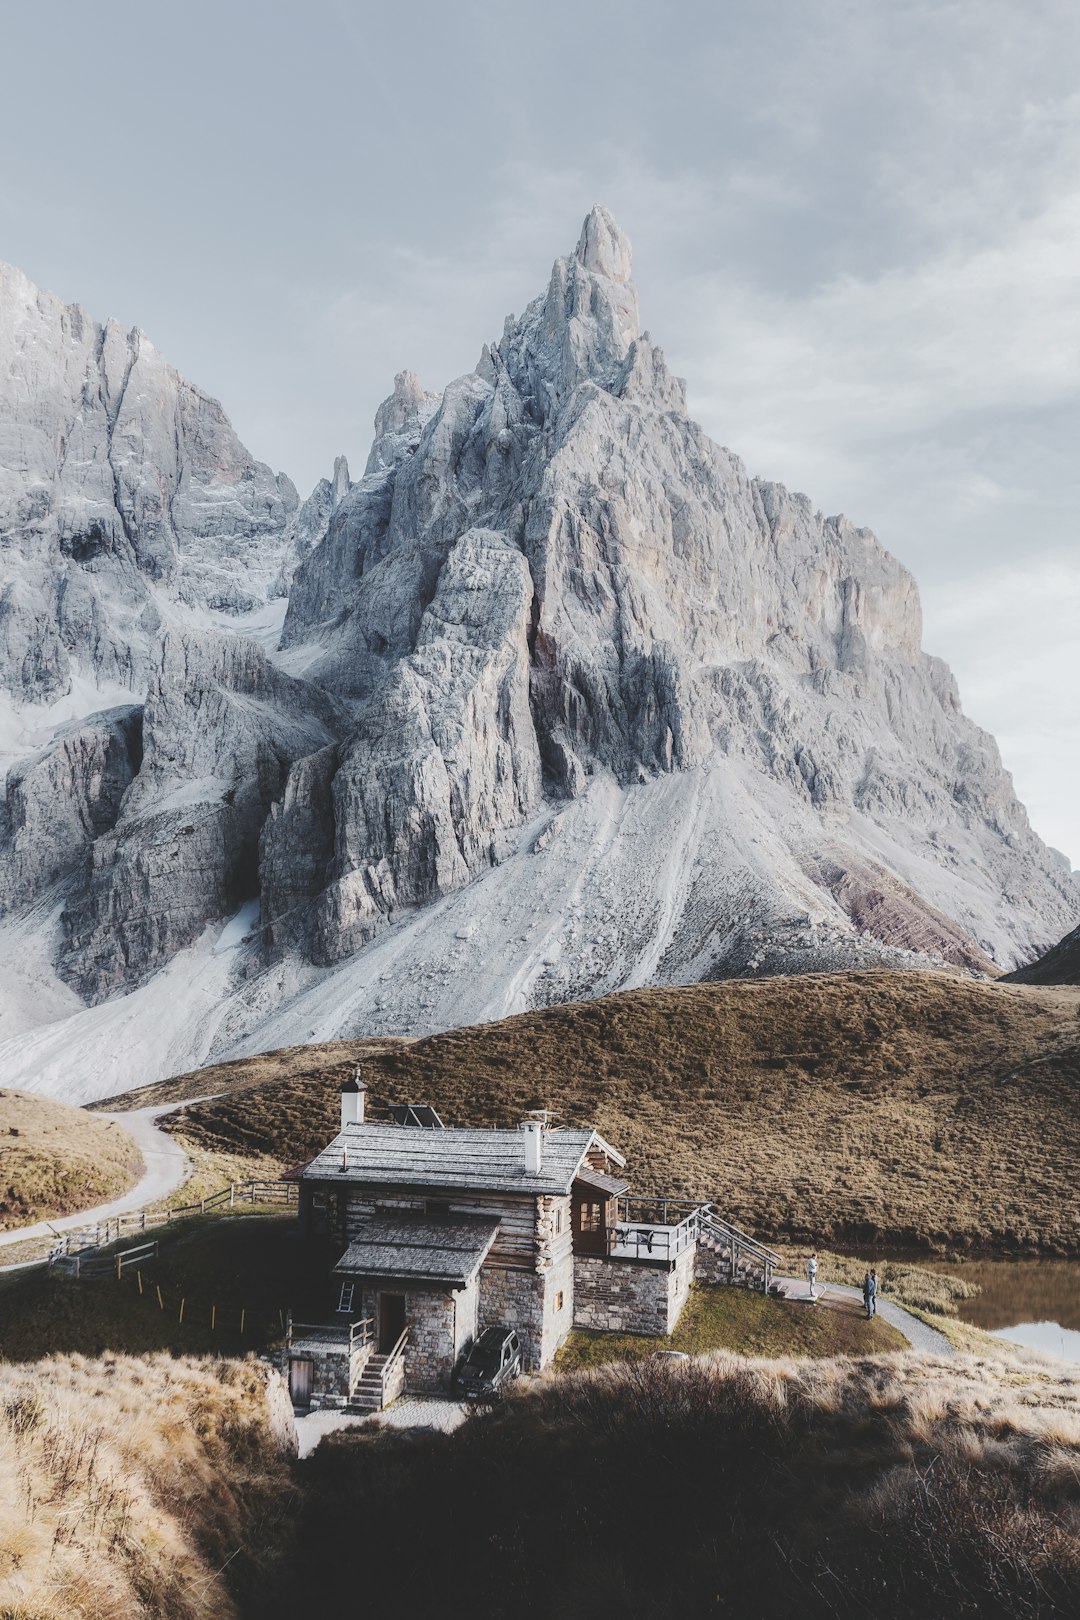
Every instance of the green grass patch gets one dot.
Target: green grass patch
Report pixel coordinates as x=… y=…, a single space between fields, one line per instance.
x=750 y=1324
x=237 y=1277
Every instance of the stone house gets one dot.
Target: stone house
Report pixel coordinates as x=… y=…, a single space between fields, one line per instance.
x=442 y=1232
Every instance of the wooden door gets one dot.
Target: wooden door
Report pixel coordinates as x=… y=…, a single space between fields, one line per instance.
x=301 y=1379
x=391 y=1321
x=588 y=1215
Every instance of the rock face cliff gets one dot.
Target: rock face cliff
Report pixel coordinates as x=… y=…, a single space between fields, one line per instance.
x=550 y=574
x=131 y=518
x=1059 y=965
x=564 y=700
x=123 y=490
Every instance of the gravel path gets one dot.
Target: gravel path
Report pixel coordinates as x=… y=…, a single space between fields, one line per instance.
x=917 y=1332
x=166 y=1167
x=410 y=1412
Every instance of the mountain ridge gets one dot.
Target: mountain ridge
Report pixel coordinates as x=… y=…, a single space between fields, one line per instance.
x=562 y=701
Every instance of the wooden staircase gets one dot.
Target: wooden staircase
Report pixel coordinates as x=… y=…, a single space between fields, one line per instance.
x=381 y=1381
x=740 y=1259
x=368 y=1394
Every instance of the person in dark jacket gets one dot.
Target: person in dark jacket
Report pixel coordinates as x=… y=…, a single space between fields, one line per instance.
x=869 y=1293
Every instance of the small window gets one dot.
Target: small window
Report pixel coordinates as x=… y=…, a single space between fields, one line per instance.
x=558 y=1220
x=558 y=1300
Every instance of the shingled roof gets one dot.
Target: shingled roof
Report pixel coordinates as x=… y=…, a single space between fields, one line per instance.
x=434 y=1248
x=378 y=1155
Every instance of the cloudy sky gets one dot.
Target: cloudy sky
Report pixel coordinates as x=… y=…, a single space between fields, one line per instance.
x=856 y=227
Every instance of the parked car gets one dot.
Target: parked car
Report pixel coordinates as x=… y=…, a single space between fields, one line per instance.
x=490 y=1362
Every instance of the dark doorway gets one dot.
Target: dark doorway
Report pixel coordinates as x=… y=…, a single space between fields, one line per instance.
x=391 y=1321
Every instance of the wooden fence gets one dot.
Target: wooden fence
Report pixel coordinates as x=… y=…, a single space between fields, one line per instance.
x=283 y=1194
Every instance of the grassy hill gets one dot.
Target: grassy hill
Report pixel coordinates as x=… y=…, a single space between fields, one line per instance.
x=219 y=1287
x=892 y=1108
x=1059 y=965
x=892 y=1488
x=56 y=1160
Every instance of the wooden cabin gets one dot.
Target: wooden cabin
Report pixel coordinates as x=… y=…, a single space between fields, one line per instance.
x=439 y=1233
x=445 y=1231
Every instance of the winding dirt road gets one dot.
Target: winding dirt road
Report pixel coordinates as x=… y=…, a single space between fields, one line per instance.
x=166 y=1167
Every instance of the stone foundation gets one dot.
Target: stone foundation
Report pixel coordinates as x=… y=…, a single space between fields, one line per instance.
x=711 y=1266
x=440 y=1321
x=557 y=1322
x=631 y=1296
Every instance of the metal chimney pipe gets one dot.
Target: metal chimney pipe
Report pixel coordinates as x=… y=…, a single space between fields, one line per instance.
x=352 y=1100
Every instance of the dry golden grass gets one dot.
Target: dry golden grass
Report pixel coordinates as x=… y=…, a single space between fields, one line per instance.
x=915 y=1287
x=239 y=1073
x=212 y=1170
x=137 y=1487
x=56 y=1160
x=898 y=1486
x=904 y=1109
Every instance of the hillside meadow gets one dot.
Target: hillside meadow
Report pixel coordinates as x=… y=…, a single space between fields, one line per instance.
x=901 y=1109
x=57 y=1160
x=896 y=1486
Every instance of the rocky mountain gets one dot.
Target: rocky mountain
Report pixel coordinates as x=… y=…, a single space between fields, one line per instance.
x=564 y=700
x=550 y=574
x=124 y=493
x=131 y=521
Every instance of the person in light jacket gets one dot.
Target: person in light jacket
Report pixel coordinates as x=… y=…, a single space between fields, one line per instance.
x=811 y=1273
x=869 y=1293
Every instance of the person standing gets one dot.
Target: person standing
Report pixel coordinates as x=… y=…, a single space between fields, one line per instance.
x=870 y=1293
x=811 y=1274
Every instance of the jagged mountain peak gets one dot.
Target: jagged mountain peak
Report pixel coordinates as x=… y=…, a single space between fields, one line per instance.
x=406 y=404
x=675 y=614
x=604 y=247
x=555 y=662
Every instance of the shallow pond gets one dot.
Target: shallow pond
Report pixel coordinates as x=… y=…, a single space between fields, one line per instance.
x=1030 y=1302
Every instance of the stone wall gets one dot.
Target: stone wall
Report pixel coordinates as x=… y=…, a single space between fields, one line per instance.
x=515 y=1299
x=558 y=1319
x=429 y=1356
x=712 y=1266
x=680 y=1281
x=335 y=1369
x=631 y=1296
x=466 y=1310
x=431 y=1318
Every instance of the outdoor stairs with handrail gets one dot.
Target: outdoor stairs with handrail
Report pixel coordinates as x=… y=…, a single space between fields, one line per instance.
x=743 y=1261
x=377 y=1380
x=368 y=1394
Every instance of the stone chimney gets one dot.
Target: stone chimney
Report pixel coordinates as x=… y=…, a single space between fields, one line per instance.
x=533 y=1132
x=352 y=1100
